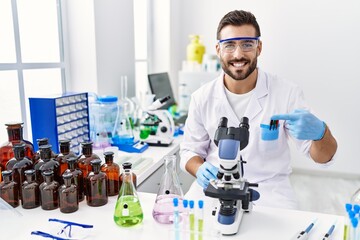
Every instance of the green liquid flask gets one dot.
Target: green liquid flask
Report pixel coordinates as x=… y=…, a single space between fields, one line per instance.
x=128 y=211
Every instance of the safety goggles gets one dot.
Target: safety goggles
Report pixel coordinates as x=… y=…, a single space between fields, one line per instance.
x=246 y=44
x=64 y=230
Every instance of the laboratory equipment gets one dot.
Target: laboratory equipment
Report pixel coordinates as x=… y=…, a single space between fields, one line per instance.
x=49 y=163
x=49 y=194
x=30 y=191
x=176 y=218
x=41 y=142
x=78 y=178
x=126 y=105
x=304 y=234
x=66 y=116
x=233 y=191
x=96 y=193
x=9 y=189
x=112 y=171
x=328 y=235
x=86 y=157
x=169 y=189
x=19 y=164
x=68 y=196
x=195 y=49
x=102 y=111
x=64 y=155
x=127 y=166
x=201 y=216
x=15 y=136
x=128 y=211
x=157 y=129
x=184 y=99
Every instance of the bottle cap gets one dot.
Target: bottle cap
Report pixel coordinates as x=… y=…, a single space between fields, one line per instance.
x=48 y=173
x=42 y=141
x=85 y=144
x=72 y=159
x=6 y=173
x=67 y=175
x=191 y=203
x=109 y=154
x=176 y=202
x=29 y=172
x=107 y=99
x=46 y=146
x=126 y=165
x=95 y=162
x=64 y=142
x=201 y=204
x=185 y=203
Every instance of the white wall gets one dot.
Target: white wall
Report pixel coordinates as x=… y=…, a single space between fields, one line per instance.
x=313 y=43
x=100 y=44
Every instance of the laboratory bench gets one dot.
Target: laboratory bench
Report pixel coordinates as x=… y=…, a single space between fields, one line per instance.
x=260 y=223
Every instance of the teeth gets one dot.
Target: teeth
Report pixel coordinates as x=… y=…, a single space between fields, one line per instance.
x=238 y=64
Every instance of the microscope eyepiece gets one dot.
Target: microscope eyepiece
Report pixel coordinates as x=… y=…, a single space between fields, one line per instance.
x=223 y=122
x=244 y=122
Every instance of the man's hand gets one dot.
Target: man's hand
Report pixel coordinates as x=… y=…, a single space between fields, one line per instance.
x=302 y=125
x=205 y=173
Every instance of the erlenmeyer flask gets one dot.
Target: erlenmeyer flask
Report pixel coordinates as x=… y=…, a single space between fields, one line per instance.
x=170 y=188
x=128 y=211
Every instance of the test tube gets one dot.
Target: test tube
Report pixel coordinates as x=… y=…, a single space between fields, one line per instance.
x=200 y=219
x=176 y=218
x=192 y=219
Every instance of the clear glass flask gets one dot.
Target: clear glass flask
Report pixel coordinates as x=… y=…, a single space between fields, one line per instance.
x=128 y=211
x=163 y=211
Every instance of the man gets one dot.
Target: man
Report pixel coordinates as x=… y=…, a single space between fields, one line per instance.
x=245 y=90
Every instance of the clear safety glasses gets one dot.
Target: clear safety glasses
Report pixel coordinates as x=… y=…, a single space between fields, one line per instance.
x=246 y=44
x=64 y=230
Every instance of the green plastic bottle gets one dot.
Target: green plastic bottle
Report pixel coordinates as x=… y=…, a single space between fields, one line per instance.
x=128 y=211
x=195 y=49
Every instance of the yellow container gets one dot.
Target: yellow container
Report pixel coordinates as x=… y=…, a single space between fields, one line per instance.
x=195 y=49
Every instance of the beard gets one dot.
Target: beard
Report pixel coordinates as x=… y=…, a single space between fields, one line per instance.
x=238 y=74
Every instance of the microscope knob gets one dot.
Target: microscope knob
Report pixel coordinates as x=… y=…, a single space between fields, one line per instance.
x=163 y=129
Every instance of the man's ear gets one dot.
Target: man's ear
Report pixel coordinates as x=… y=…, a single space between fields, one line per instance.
x=259 y=48
x=217 y=50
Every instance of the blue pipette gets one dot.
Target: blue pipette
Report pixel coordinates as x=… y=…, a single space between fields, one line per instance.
x=329 y=232
x=303 y=235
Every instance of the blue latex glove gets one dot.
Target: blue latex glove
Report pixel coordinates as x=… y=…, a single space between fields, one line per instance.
x=302 y=124
x=205 y=173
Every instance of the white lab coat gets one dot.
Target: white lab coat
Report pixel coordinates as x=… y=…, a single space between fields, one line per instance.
x=268 y=162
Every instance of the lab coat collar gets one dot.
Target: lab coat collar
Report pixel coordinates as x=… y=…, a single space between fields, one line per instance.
x=254 y=107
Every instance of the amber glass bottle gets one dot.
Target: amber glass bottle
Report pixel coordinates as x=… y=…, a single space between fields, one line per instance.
x=112 y=171
x=30 y=191
x=49 y=193
x=68 y=195
x=96 y=194
x=15 y=136
x=64 y=154
x=127 y=165
x=19 y=164
x=9 y=190
x=41 y=142
x=78 y=178
x=46 y=162
x=86 y=157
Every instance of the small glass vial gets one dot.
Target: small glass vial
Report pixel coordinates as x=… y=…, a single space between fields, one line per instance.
x=78 y=178
x=127 y=166
x=19 y=164
x=49 y=193
x=96 y=194
x=49 y=163
x=64 y=154
x=112 y=171
x=41 y=142
x=128 y=211
x=86 y=157
x=9 y=190
x=15 y=136
x=68 y=195
x=30 y=197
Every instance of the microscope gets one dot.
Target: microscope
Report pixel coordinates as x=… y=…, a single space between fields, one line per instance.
x=233 y=191
x=157 y=129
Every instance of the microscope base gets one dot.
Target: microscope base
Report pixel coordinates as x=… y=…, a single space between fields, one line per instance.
x=226 y=228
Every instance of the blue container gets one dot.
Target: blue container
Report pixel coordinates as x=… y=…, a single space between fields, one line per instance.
x=267 y=134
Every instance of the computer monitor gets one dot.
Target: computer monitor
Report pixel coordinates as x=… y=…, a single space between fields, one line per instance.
x=161 y=87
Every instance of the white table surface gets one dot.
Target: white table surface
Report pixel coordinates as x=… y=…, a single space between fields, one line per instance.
x=261 y=223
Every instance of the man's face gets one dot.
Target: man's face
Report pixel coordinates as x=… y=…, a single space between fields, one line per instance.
x=239 y=64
